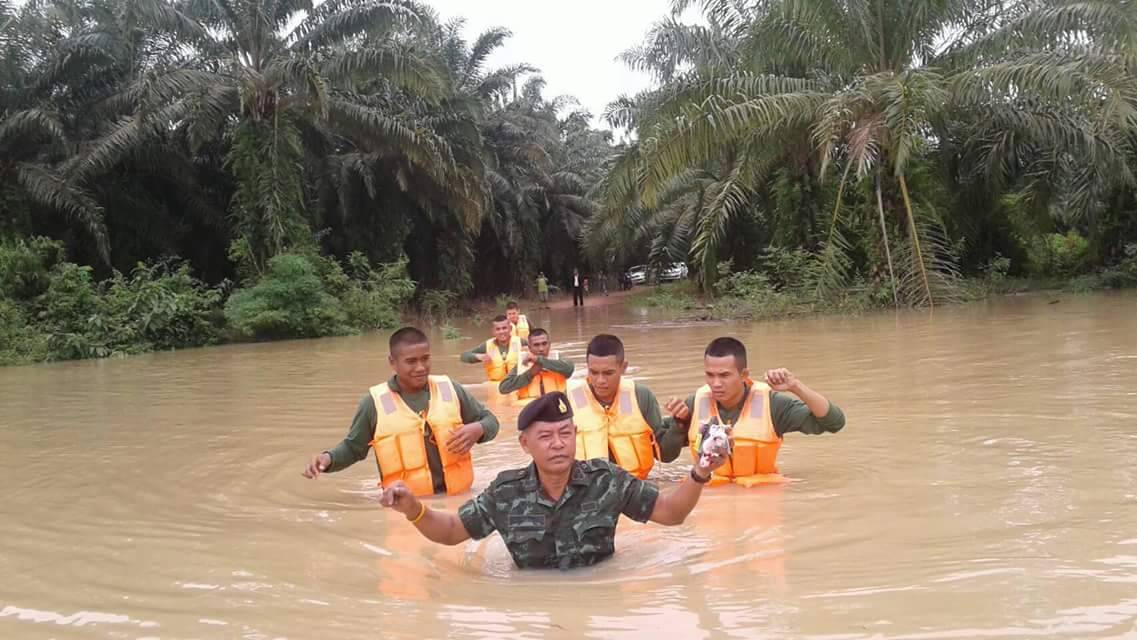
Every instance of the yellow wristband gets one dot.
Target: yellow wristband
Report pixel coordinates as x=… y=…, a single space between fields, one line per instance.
x=420 y=514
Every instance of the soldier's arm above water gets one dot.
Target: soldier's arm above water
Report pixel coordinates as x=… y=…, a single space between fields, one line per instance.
x=557 y=365
x=478 y=353
x=672 y=508
x=514 y=381
x=475 y=355
x=436 y=526
x=479 y=517
x=670 y=439
x=812 y=414
x=353 y=447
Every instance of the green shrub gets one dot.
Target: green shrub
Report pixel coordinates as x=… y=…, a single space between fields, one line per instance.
x=290 y=301
x=1124 y=273
x=71 y=302
x=19 y=341
x=162 y=306
x=745 y=284
x=26 y=265
x=438 y=305
x=997 y=268
x=1056 y=254
x=788 y=269
x=450 y=332
x=374 y=295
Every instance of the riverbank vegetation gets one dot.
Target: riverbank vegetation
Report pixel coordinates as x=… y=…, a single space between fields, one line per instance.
x=881 y=152
x=183 y=173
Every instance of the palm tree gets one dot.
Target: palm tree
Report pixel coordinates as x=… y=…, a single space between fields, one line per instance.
x=273 y=93
x=876 y=84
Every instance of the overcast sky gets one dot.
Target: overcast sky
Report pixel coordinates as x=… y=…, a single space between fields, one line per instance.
x=574 y=44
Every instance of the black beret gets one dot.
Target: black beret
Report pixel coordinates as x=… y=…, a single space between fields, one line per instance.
x=551 y=407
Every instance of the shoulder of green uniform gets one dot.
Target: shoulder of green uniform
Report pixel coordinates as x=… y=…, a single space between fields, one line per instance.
x=642 y=390
x=510 y=476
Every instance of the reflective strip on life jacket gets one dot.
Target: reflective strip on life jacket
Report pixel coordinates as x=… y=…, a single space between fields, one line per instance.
x=400 y=439
x=620 y=429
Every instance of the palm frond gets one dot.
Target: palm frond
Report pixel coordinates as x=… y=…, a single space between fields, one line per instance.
x=334 y=22
x=402 y=65
x=55 y=192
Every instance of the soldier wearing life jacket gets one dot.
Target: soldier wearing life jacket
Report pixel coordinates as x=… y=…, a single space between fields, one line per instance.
x=500 y=353
x=617 y=418
x=761 y=413
x=420 y=427
x=559 y=512
x=540 y=370
x=519 y=323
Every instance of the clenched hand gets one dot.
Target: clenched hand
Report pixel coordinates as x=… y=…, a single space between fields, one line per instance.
x=464 y=438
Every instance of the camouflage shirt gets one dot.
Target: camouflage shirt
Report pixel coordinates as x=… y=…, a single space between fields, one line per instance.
x=577 y=530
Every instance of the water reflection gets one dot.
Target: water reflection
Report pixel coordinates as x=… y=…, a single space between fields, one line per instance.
x=984 y=487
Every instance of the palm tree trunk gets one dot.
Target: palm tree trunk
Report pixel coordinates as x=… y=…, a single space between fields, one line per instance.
x=884 y=235
x=916 y=240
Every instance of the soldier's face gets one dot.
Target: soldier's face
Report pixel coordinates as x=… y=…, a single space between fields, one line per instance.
x=411 y=363
x=604 y=375
x=501 y=331
x=724 y=378
x=513 y=315
x=551 y=444
x=539 y=345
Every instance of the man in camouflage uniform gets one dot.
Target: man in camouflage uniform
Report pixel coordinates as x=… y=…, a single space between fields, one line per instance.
x=557 y=512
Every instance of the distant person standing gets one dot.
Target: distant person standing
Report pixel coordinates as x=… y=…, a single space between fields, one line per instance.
x=586 y=289
x=542 y=288
x=577 y=289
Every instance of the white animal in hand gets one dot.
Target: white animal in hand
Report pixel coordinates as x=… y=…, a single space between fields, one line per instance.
x=714 y=438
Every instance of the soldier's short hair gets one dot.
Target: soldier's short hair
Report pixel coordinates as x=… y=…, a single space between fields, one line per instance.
x=726 y=346
x=533 y=333
x=511 y=306
x=605 y=345
x=500 y=318
x=406 y=337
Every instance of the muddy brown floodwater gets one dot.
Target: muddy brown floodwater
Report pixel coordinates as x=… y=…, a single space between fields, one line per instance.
x=984 y=486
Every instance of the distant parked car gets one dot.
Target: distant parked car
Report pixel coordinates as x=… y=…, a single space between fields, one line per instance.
x=637 y=274
x=673 y=272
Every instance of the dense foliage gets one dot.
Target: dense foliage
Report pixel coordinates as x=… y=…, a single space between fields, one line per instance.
x=176 y=173
x=900 y=143
x=230 y=131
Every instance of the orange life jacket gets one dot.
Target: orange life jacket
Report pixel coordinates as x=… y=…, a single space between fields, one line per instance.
x=521 y=329
x=754 y=458
x=400 y=446
x=497 y=368
x=619 y=431
x=546 y=380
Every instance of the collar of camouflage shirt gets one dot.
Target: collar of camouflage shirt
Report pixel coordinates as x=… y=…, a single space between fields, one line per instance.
x=532 y=483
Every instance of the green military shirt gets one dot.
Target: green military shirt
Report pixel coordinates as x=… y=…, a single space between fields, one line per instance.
x=788 y=415
x=471 y=356
x=577 y=530
x=355 y=446
x=513 y=382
